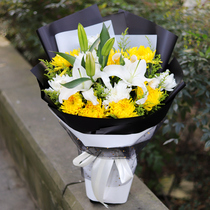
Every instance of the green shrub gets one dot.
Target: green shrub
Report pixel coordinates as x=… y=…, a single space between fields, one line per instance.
x=188 y=119
x=22 y=18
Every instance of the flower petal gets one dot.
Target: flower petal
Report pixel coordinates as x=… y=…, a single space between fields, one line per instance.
x=89 y=96
x=117 y=70
x=104 y=77
x=65 y=93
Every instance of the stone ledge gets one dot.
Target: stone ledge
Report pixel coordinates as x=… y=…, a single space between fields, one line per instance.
x=41 y=148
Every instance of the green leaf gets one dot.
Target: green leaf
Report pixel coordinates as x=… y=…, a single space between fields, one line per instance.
x=178 y=126
x=104 y=36
x=207 y=145
x=166 y=129
x=83 y=62
x=75 y=82
x=71 y=59
x=208 y=51
x=205 y=137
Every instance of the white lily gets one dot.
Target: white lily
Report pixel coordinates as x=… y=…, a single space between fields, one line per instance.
x=89 y=96
x=132 y=73
x=78 y=71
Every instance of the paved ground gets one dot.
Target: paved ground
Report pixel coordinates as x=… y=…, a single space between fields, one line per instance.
x=13 y=191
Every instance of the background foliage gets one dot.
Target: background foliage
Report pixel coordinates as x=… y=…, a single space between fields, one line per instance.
x=187 y=125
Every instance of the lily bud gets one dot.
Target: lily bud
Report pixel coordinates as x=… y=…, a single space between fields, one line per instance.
x=107 y=47
x=133 y=58
x=116 y=57
x=90 y=64
x=83 y=41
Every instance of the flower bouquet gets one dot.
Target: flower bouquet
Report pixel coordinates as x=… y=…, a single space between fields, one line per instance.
x=110 y=86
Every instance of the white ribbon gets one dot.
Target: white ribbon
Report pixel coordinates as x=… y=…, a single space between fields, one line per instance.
x=101 y=170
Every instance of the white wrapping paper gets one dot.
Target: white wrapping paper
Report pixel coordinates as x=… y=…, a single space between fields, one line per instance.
x=66 y=44
x=108 y=179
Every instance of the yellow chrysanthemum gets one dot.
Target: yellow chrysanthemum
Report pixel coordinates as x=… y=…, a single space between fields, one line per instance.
x=75 y=52
x=59 y=62
x=122 y=109
x=153 y=98
x=141 y=53
x=115 y=59
x=73 y=104
x=94 y=111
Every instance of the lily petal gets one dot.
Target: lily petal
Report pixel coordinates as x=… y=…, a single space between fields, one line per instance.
x=143 y=100
x=104 y=77
x=89 y=96
x=65 y=93
x=117 y=70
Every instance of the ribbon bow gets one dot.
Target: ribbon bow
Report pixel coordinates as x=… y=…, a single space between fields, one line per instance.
x=101 y=170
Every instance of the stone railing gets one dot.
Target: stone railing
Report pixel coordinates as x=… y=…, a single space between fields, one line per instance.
x=41 y=148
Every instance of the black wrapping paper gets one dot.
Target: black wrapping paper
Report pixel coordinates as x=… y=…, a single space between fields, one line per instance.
x=122 y=20
x=86 y=17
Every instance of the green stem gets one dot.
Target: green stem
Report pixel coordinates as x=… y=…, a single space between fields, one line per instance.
x=92 y=79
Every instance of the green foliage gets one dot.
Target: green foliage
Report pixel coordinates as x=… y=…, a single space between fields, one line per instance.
x=123 y=43
x=53 y=96
x=188 y=118
x=154 y=67
x=140 y=110
x=50 y=71
x=99 y=91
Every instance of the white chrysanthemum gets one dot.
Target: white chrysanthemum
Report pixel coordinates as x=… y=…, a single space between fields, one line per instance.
x=118 y=92
x=49 y=89
x=56 y=82
x=167 y=81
